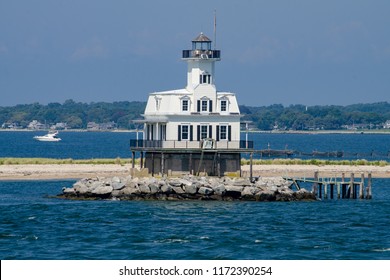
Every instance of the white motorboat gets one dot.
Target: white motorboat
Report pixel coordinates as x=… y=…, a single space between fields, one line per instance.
x=50 y=137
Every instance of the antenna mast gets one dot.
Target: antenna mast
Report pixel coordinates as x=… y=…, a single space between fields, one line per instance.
x=215 y=29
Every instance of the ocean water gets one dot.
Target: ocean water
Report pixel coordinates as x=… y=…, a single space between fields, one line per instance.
x=36 y=225
x=86 y=145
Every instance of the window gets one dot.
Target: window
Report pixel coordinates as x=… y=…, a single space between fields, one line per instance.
x=203 y=131
x=223 y=105
x=184 y=105
x=184 y=132
x=205 y=79
x=204 y=106
x=223 y=132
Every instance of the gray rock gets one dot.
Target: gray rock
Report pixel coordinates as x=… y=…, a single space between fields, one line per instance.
x=241 y=182
x=214 y=182
x=118 y=185
x=175 y=182
x=81 y=188
x=154 y=188
x=178 y=190
x=249 y=191
x=230 y=188
x=68 y=191
x=102 y=190
x=220 y=189
x=131 y=190
x=191 y=189
x=116 y=193
x=286 y=190
x=185 y=182
x=144 y=189
x=205 y=191
x=166 y=188
x=115 y=179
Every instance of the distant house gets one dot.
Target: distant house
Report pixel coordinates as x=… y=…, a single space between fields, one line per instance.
x=92 y=126
x=101 y=126
x=36 y=125
x=10 y=126
x=59 y=126
x=386 y=125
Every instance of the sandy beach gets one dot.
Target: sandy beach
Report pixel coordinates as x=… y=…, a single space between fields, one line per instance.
x=77 y=171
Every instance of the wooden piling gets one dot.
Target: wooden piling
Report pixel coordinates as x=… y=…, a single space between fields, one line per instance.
x=361 y=186
x=315 y=184
x=190 y=164
x=251 y=167
x=320 y=190
x=152 y=164
x=343 y=190
x=352 y=186
x=331 y=190
x=162 y=164
x=132 y=159
x=219 y=165
x=369 y=185
x=326 y=191
x=338 y=191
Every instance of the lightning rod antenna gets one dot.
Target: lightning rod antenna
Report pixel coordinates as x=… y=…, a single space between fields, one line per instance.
x=215 y=29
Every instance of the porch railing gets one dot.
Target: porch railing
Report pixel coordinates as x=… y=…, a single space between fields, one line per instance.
x=205 y=144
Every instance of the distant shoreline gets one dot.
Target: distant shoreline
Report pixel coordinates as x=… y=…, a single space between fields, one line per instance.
x=68 y=130
x=382 y=131
x=77 y=171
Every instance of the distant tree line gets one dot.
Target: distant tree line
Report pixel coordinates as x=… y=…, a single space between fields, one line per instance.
x=300 y=117
x=75 y=114
x=294 y=117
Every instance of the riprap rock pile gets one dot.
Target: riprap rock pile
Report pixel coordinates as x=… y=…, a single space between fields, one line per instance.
x=186 y=188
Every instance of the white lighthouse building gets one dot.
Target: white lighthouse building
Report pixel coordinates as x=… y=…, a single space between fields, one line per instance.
x=196 y=128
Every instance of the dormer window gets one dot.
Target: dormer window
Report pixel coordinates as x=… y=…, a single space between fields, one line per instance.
x=223 y=105
x=204 y=105
x=184 y=105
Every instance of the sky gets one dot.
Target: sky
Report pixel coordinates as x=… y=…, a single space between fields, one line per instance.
x=310 y=52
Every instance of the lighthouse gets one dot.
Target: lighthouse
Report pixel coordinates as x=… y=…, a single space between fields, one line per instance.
x=195 y=129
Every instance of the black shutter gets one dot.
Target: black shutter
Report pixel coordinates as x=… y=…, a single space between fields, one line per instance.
x=217 y=132
x=230 y=133
x=210 y=105
x=179 y=132
x=191 y=133
x=198 y=106
x=198 y=132
x=210 y=131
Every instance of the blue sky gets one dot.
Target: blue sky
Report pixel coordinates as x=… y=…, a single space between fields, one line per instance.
x=307 y=52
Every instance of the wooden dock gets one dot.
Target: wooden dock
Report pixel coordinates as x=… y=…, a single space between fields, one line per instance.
x=340 y=188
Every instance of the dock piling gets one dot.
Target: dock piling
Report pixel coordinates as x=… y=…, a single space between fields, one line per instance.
x=352 y=186
x=345 y=189
x=361 y=187
x=369 y=186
